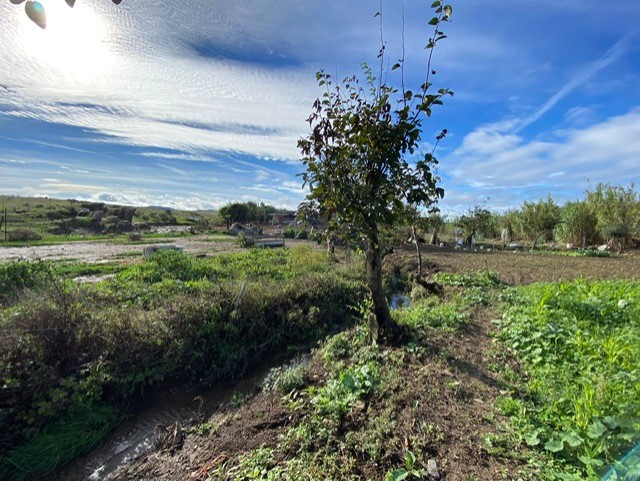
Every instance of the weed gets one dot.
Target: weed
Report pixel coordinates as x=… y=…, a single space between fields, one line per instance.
x=287 y=378
x=409 y=471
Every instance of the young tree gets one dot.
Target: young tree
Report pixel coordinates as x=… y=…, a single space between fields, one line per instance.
x=359 y=157
x=577 y=223
x=236 y=212
x=539 y=219
x=476 y=220
x=618 y=211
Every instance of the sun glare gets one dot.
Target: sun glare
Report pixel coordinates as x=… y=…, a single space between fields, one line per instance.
x=74 y=43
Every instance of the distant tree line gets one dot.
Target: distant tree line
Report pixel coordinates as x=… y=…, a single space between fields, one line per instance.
x=607 y=213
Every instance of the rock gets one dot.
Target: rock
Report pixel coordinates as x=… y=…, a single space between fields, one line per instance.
x=432 y=469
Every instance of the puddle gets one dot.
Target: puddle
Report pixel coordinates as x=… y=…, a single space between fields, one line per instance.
x=399 y=301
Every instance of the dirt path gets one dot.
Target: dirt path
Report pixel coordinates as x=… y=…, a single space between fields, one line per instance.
x=105 y=251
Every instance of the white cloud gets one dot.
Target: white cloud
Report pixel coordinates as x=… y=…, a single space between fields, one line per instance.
x=506 y=166
x=157 y=92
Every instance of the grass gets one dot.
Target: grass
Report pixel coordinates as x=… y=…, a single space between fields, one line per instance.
x=82 y=429
x=44 y=221
x=566 y=364
x=365 y=411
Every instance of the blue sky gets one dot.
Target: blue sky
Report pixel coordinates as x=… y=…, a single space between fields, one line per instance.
x=197 y=103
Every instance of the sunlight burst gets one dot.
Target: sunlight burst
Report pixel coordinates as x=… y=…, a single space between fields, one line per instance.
x=74 y=44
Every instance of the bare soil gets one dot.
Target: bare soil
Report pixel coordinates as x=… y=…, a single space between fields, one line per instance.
x=524 y=267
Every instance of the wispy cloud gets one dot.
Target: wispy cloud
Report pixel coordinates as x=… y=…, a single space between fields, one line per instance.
x=620 y=48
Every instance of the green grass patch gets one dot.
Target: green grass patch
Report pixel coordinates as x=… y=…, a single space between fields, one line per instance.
x=81 y=430
x=579 y=347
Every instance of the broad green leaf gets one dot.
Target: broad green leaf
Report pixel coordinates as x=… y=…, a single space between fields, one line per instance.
x=434 y=21
x=596 y=430
x=572 y=439
x=410 y=459
x=532 y=438
x=554 y=445
x=589 y=461
x=397 y=475
x=435 y=4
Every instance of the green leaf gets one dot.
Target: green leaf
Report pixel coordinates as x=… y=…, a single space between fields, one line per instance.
x=434 y=21
x=596 y=430
x=397 y=475
x=532 y=438
x=554 y=445
x=589 y=461
x=610 y=422
x=377 y=14
x=410 y=460
x=572 y=439
x=396 y=66
x=435 y=4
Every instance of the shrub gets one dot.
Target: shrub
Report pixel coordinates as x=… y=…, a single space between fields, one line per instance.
x=165 y=318
x=23 y=235
x=18 y=275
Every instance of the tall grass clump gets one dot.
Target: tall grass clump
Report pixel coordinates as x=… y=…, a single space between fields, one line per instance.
x=579 y=346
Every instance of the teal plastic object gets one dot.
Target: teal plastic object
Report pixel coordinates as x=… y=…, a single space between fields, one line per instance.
x=627 y=469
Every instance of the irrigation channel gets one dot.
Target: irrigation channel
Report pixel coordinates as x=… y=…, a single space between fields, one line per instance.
x=161 y=411
x=166 y=408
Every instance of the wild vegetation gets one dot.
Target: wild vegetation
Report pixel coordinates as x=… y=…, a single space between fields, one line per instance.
x=46 y=220
x=72 y=352
x=553 y=396
x=578 y=351
x=609 y=213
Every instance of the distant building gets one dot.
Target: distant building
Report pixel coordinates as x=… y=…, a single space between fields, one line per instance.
x=287 y=217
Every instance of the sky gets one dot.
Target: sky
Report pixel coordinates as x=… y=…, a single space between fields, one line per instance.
x=198 y=103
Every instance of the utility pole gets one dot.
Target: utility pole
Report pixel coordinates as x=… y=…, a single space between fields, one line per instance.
x=4 y=208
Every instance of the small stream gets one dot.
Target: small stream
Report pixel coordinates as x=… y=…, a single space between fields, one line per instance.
x=161 y=408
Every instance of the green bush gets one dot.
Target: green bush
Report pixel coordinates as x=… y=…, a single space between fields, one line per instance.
x=302 y=234
x=23 y=235
x=172 y=316
x=18 y=275
x=289 y=233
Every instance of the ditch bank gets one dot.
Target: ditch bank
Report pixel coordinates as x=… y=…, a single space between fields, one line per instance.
x=160 y=420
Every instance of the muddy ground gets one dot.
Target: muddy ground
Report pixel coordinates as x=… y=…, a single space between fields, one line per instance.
x=524 y=267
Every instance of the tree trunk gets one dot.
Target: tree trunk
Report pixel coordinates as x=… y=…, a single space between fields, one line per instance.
x=331 y=245
x=535 y=241
x=434 y=238
x=415 y=238
x=381 y=313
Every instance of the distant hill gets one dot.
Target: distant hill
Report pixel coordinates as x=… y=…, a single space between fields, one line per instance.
x=30 y=218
